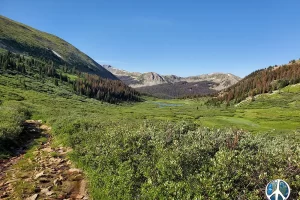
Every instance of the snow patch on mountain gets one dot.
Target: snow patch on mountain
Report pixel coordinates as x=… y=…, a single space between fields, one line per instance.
x=57 y=54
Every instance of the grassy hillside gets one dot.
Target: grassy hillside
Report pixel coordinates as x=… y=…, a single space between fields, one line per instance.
x=26 y=40
x=93 y=86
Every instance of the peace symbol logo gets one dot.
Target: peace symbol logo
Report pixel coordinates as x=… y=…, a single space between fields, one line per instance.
x=278 y=190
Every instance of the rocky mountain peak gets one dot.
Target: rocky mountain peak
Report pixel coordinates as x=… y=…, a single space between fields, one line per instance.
x=152 y=81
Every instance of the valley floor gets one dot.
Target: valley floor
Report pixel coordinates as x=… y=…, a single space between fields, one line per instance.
x=158 y=148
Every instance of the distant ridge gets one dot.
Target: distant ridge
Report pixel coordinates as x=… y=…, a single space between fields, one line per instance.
x=170 y=86
x=136 y=79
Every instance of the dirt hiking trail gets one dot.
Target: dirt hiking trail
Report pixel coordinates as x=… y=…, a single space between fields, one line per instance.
x=41 y=172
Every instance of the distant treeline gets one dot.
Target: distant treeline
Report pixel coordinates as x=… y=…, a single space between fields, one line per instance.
x=93 y=86
x=262 y=81
x=181 y=89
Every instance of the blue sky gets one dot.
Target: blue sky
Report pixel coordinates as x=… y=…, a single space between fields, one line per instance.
x=181 y=37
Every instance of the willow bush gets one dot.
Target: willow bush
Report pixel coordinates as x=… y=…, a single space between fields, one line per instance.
x=180 y=161
x=12 y=116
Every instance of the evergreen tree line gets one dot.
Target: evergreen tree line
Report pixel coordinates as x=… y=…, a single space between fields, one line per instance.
x=93 y=86
x=28 y=66
x=111 y=91
x=262 y=81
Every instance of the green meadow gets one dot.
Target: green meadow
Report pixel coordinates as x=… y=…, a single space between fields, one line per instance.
x=277 y=112
x=163 y=149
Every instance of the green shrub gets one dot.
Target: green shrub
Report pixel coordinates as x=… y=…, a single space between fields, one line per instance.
x=179 y=161
x=12 y=116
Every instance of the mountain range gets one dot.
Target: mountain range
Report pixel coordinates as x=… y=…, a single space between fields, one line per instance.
x=170 y=86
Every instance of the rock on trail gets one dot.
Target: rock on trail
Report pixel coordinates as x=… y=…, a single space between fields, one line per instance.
x=46 y=174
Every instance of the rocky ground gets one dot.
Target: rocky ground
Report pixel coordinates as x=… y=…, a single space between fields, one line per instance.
x=41 y=172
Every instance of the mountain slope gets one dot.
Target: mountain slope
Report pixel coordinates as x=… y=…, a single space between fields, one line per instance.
x=262 y=81
x=171 y=86
x=22 y=39
x=89 y=85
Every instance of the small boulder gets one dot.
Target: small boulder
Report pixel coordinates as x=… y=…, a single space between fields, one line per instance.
x=57 y=182
x=78 y=196
x=39 y=175
x=33 y=197
x=49 y=193
x=44 y=190
x=74 y=171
